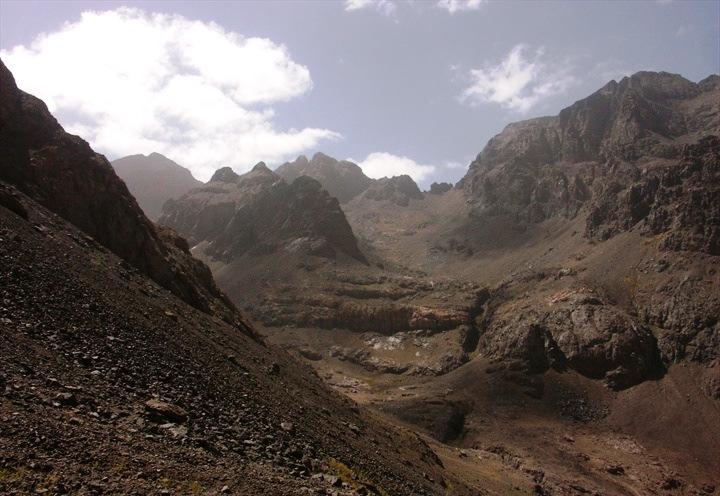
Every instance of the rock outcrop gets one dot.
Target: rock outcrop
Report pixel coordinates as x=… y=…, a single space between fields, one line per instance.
x=577 y=330
x=260 y=213
x=65 y=175
x=440 y=188
x=153 y=179
x=398 y=190
x=342 y=179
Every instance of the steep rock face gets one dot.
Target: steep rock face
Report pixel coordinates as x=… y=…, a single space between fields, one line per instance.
x=398 y=190
x=548 y=166
x=342 y=179
x=154 y=179
x=63 y=173
x=679 y=200
x=260 y=213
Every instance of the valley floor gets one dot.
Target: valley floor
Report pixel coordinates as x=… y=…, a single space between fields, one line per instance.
x=556 y=433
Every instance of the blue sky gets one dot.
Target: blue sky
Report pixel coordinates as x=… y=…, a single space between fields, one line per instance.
x=398 y=86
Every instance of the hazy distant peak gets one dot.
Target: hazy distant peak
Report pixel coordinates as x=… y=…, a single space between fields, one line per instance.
x=224 y=175
x=320 y=156
x=153 y=179
x=342 y=179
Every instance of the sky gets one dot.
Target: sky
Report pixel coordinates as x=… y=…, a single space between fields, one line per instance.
x=397 y=86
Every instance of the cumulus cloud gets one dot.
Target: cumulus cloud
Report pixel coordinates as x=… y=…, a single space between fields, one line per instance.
x=453 y=6
x=386 y=7
x=133 y=82
x=382 y=164
x=519 y=82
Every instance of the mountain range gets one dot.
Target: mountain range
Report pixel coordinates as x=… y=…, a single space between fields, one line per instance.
x=548 y=325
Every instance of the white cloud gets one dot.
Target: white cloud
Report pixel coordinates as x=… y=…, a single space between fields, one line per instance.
x=452 y=164
x=132 y=82
x=519 y=82
x=453 y=6
x=382 y=164
x=386 y=7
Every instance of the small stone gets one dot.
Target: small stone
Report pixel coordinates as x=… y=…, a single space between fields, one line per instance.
x=615 y=470
x=225 y=489
x=163 y=412
x=179 y=431
x=333 y=480
x=287 y=426
x=66 y=399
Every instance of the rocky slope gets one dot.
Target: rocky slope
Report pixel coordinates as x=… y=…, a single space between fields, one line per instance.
x=110 y=383
x=154 y=179
x=342 y=179
x=66 y=176
x=259 y=212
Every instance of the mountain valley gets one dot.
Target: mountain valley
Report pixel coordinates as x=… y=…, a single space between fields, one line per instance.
x=548 y=326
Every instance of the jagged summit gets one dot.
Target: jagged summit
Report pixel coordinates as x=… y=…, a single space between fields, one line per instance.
x=260 y=167
x=260 y=213
x=342 y=179
x=398 y=190
x=224 y=175
x=440 y=188
x=525 y=170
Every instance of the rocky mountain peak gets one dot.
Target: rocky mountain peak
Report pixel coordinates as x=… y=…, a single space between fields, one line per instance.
x=342 y=179
x=440 y=188
x=321 y=157
x=224 y=175
x=259 y=213
x=398 y=190
x=710 y=83
x=260 y=167
x=527 y=169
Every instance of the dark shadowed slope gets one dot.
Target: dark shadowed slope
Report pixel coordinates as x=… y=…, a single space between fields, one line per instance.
x=62 y=173
x=153 y=180
x=260 y=213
